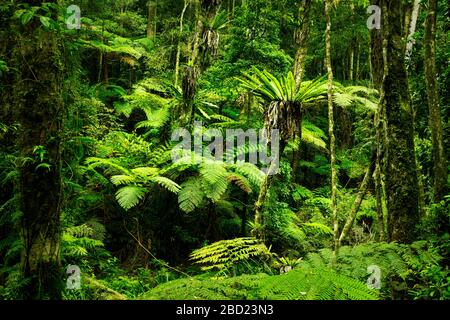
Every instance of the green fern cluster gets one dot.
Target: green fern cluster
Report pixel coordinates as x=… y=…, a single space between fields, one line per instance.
x=76 y=241
x=314 y=284
x=226 y=253
x=398 y=262
x=299 y=284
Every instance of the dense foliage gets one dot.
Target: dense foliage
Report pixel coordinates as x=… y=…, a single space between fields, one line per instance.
x=87 y=170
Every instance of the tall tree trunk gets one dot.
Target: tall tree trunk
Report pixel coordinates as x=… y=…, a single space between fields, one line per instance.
x=378 y=58
x=301 y=41
x=38 y=104
x=412 y=28
x=180 y=33
x=352 y=63
x=151 y=19
x=401 y=171
x=331 y=128
x=358 y=59
x=440 y=163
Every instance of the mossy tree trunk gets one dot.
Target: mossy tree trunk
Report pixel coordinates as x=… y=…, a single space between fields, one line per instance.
x=151 y=19
x=440 y=163
x=38 y=105
x=401 y=172
x=301 y=36
x=331 y=127
x=378 y=63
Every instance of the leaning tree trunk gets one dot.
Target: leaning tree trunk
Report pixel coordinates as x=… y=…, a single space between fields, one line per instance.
x=331 y=128
x=401 y=172
x=37 y=100
x=440 y=165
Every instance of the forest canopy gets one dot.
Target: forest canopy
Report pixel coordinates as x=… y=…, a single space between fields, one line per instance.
x=224 y=149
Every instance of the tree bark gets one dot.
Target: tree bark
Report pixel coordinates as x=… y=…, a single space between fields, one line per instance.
x=359 y=198
x=151 y=19
x=378 y=49
x=440 y=163
x=39 y=107
x=401 y=171
x=412 y=28
x=352 y=63
x=331 y=128
x=177 y=63
x=301 y=40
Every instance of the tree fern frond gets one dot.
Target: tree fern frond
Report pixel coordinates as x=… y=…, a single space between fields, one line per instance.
x=214 y=179
x=129 y=196
x=166 y=183
x=226 y=253
x=240 y=181
x=121 y=179
x=191 y=195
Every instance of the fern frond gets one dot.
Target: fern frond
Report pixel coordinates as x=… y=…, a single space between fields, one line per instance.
x=214 y=180
x=170 y=185
x=226 y=253
x=129 y=196
x=191 y=195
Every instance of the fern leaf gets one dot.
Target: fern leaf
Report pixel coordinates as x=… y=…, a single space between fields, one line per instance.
x=129 y=196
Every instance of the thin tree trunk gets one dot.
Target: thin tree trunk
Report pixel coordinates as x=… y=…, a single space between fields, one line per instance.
x=358 y=58
x=151 y=19
x=352 y=63
x=412 y=28
x=180 y=34
x=359 y=198
x=331 y=129
x=440 y=163
x=401 y=170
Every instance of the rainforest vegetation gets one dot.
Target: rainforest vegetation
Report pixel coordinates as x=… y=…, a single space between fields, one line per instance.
x=98 y=201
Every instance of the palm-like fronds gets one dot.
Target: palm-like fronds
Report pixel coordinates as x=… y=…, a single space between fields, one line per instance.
x=269 y=88
x=285 y=100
